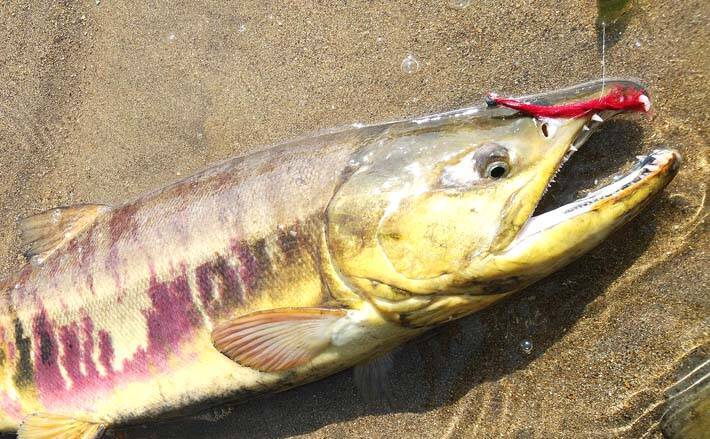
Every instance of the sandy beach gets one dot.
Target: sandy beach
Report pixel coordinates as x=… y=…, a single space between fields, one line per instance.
x=102 y=100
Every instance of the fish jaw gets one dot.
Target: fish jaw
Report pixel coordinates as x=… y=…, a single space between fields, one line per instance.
x=569 y=116
x=553 y=239
x=546 y=242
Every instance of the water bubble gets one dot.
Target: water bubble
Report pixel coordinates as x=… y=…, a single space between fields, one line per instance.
x=171 y=37
x=410 y=64
x=242 y=28
x=459 y=4
x=526 y=346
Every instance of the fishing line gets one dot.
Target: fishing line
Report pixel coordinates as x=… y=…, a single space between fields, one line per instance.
x=603 y=55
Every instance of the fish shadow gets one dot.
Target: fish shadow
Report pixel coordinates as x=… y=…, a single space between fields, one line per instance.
x=441 y=367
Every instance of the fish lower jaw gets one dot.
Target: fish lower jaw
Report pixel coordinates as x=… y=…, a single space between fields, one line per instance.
x=647 y=168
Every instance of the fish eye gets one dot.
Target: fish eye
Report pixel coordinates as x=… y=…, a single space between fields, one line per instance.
x=497 y=170
x=492 y=160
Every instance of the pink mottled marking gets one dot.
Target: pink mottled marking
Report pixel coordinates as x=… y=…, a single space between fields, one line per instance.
x=248 y=265
x=171 y=320
x=71 y=355
x=88 y=347
x=48 y=379
x=172 y=317
x=204 y=283
x=106 y=354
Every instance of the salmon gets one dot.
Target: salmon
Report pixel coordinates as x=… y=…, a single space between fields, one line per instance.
x=271 y=270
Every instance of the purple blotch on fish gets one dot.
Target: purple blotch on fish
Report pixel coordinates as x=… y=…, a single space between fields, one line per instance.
x=204 y=283
x=123 y=221
x=172 y=317
x=71 y=355
x=106 y=353
x=48 y=379
x=249 y=269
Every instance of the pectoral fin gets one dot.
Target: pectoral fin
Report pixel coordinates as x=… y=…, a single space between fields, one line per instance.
x=50 y=426
x=47 y=231
x=372 y=380
x=277 y=340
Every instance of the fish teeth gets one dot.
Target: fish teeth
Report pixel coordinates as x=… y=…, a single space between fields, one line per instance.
x=585 y=128
x=597 y=118
x=573 y=148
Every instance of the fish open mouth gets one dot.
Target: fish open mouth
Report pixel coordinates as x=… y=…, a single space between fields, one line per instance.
x=576 y=103
x=644 y=169
x=550 y=238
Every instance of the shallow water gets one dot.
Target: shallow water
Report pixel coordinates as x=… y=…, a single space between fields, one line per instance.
x=100 y=102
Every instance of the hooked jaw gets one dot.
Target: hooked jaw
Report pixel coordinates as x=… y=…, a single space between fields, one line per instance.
x=547 y=241
x=655 y=165
x=552 y=239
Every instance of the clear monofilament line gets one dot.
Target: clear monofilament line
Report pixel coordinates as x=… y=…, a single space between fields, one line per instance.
x=603 y=55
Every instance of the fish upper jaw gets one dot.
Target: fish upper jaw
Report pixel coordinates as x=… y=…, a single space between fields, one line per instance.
x=566 y=119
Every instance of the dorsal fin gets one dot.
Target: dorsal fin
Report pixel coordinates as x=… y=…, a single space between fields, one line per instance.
x=47 y=231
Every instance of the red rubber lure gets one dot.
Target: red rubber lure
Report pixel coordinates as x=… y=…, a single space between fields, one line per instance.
x=619 y=98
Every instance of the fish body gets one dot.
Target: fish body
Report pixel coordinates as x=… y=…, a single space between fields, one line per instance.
x=129 y=305
x=271 y=270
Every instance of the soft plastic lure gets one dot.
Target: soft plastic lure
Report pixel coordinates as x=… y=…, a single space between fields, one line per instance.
x=619 y=98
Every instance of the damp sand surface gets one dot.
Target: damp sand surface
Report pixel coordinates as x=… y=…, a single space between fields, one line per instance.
x=101 y=101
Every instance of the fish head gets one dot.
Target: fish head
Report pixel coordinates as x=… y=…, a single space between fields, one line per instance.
x=434 y=219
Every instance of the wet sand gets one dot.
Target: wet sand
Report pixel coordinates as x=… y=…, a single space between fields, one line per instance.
x=100 y=102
